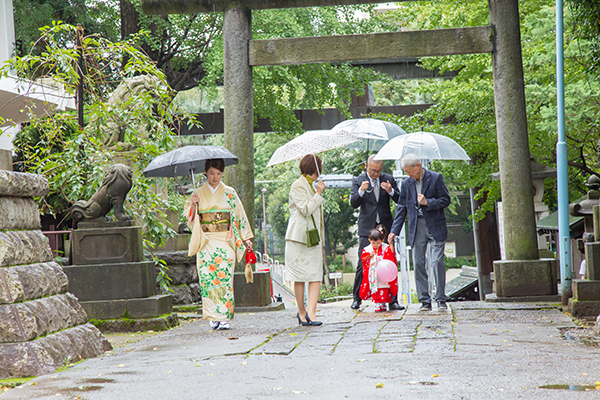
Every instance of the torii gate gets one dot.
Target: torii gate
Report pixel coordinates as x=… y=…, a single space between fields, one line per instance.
x=523 y=273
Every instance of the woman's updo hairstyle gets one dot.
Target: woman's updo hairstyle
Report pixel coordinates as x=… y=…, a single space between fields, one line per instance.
x=216 y=163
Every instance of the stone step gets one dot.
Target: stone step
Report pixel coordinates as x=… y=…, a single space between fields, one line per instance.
x=129 y=308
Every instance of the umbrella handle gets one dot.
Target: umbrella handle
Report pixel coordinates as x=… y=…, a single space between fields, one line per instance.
x=193 y=180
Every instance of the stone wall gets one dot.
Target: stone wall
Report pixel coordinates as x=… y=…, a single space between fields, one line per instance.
x=184 y=276
x=43 y=326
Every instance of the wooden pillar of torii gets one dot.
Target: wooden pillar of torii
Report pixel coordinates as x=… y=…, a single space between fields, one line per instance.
x=241 y=53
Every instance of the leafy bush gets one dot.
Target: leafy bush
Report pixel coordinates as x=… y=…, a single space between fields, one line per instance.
x=343 y=289
x=338 y=265
x=458 y=262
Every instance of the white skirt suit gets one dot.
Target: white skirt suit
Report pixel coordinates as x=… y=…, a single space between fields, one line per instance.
x=303 y=264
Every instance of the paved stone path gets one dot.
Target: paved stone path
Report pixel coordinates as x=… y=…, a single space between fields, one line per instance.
x=473 y=350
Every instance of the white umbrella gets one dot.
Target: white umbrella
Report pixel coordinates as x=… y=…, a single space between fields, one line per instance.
x=424 y=145
x=311 y=142
x=373 y=132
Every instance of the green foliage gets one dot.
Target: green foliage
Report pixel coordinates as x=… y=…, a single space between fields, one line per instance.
x=467 y=101
x=31 y=15
x=74 y=160
x=337 y=264
x=327 y=292
x=586 y=24
x=458 y=262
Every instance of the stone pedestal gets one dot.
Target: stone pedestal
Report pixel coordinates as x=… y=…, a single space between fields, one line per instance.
x=585 y=302
x=592 y=264
x=254 y=297
x=113 y=281
x=42 y=324
x=107 y=244
x=525 y=278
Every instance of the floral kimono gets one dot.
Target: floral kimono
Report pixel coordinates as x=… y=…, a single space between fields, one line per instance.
x=218 y=232
x=380 y=292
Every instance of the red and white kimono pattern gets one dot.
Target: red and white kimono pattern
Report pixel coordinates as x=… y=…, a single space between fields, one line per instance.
x=371 y=287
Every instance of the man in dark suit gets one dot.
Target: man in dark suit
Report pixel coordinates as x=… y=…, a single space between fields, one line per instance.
x=372 y=191
x=423 y=197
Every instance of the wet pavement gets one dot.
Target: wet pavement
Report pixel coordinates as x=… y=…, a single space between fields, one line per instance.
x=472 y=350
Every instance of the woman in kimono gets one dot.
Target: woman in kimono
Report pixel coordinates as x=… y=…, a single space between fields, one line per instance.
x=302 y=263
x=220 y=229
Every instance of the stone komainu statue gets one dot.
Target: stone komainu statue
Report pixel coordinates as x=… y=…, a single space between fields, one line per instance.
x=111 y=195
x=124 y=98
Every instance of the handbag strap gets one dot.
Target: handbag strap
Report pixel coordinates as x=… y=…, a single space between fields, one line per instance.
x=313 y=220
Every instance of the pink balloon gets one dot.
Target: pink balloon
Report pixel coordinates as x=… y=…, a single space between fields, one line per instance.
x=387 y=270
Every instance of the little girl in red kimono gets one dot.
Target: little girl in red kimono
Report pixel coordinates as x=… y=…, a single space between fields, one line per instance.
x=371 y=286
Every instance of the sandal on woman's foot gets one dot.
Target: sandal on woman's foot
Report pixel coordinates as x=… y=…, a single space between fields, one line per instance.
x=224 y=325
x=214 y=324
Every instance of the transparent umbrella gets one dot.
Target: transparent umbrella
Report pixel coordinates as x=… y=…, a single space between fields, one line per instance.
x=424 y=145
x=311 y=142
x=373 y=133
x=187 y=160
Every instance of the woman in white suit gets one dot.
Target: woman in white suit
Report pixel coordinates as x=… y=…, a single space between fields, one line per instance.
x=302 y=263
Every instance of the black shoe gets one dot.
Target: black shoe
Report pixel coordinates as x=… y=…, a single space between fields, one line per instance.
x=442 y=304
x=396 y=307
x=425 y=307
x=355 y=304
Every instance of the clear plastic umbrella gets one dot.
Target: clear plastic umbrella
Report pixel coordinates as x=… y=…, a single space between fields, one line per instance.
x=187 y=160
x=373 y=133
x=424 y=145
x=311 y=142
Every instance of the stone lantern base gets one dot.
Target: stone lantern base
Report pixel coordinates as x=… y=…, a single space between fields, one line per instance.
x=532 y=279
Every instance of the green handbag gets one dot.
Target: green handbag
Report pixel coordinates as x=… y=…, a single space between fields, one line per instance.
x=312 y=235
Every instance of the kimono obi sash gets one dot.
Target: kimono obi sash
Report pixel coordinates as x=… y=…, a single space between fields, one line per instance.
x=215 y=221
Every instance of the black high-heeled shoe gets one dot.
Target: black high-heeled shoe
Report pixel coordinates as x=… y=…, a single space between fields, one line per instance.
x=312 y=323
x=300 y=322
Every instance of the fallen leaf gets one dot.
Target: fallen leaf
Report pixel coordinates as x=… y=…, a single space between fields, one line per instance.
x=121 y=365
x=434 y=375
x=169 y=372
x=232 y=338
x=379 y=385
x=361 y=360
x=293 y=334
x=244 y=362
x=197 y=365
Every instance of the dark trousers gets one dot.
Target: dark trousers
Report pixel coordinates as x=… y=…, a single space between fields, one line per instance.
x=363 y=242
